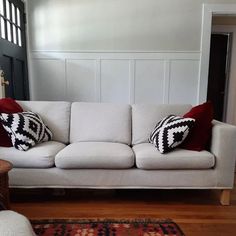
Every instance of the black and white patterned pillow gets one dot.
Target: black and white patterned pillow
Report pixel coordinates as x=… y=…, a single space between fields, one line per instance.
x=25 y=129
x=170 y=132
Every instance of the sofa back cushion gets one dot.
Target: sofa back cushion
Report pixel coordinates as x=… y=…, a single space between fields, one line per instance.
x=56 y=115
x=100 y=122
x=146 y=116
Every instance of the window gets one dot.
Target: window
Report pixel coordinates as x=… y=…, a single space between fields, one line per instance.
x=10 y=22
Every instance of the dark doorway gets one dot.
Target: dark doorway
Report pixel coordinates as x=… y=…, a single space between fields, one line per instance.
x=13 y=57
x=218 y=73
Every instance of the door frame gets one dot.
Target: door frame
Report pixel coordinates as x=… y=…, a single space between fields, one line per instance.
x=208 y=10
x=227 y=69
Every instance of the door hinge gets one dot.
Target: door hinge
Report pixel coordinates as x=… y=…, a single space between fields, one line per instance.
x=24 y=18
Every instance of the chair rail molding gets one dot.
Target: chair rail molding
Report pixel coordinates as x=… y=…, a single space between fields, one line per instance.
x=207 y=13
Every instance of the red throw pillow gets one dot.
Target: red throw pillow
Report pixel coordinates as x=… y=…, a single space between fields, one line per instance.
x=7 y=105
x=200 y=135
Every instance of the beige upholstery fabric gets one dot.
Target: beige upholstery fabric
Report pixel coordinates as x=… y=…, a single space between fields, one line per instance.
x=39 y=156
x=148 y=157
x=14 y=224
x=95 y=155
x=115 y=178
x=100 y=122
x=56 y=116
x=223 y=146
x=145 y=117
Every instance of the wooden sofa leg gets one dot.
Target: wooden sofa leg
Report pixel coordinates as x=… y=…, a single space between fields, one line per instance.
x=225 y=197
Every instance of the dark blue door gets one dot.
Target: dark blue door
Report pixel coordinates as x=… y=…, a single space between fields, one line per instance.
x=13 y=56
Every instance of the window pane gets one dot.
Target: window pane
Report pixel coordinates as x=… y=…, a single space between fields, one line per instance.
x=18 y=16
x=14 y=35
x=1 y=7
x=13 y=13
x=8 y=9
x=19 y=37
x=8 y=31
x=3 y=28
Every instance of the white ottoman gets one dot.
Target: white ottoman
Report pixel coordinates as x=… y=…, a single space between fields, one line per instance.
x=14 y=224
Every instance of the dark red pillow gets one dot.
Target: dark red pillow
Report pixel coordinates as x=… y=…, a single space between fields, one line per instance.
x=200 y=135
x=7 y=105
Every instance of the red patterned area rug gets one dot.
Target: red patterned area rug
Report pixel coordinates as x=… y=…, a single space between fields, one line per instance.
x=139 y=227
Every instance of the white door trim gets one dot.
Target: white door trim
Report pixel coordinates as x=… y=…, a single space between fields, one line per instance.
x=207 y=12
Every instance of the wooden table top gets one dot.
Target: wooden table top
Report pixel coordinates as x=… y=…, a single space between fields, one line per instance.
x=5 y=166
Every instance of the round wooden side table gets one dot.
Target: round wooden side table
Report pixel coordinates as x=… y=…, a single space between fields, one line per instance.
x=5 y=167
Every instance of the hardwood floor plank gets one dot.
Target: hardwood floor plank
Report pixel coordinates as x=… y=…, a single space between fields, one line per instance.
x=198 y=212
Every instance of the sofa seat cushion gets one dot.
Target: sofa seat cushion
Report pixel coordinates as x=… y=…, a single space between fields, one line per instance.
x=39 y=156
x=95 y=155
x=148 y=157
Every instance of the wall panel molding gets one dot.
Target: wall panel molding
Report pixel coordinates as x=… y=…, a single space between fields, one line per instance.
x=184 y=55
x=123 y=77
x=167 y=81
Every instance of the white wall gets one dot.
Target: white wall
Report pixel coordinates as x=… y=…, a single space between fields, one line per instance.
x=142 y=25
x=74 y=45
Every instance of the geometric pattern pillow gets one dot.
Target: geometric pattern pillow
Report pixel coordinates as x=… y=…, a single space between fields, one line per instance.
x=25 y=129
x=170 y=132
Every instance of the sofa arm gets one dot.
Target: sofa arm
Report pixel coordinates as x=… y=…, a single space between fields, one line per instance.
x=223 y=146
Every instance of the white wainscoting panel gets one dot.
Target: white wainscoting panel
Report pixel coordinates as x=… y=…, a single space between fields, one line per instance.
x=48 y=80
x=183 y=81
x=149 y=81
x=81 y=80
x=120 y=77
x=115 y=81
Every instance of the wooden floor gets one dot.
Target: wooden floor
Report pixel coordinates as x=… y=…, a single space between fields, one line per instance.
x=198 y=212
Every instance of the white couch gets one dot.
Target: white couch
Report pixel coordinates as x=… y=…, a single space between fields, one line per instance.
x=98 y=145
x=14 y=224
